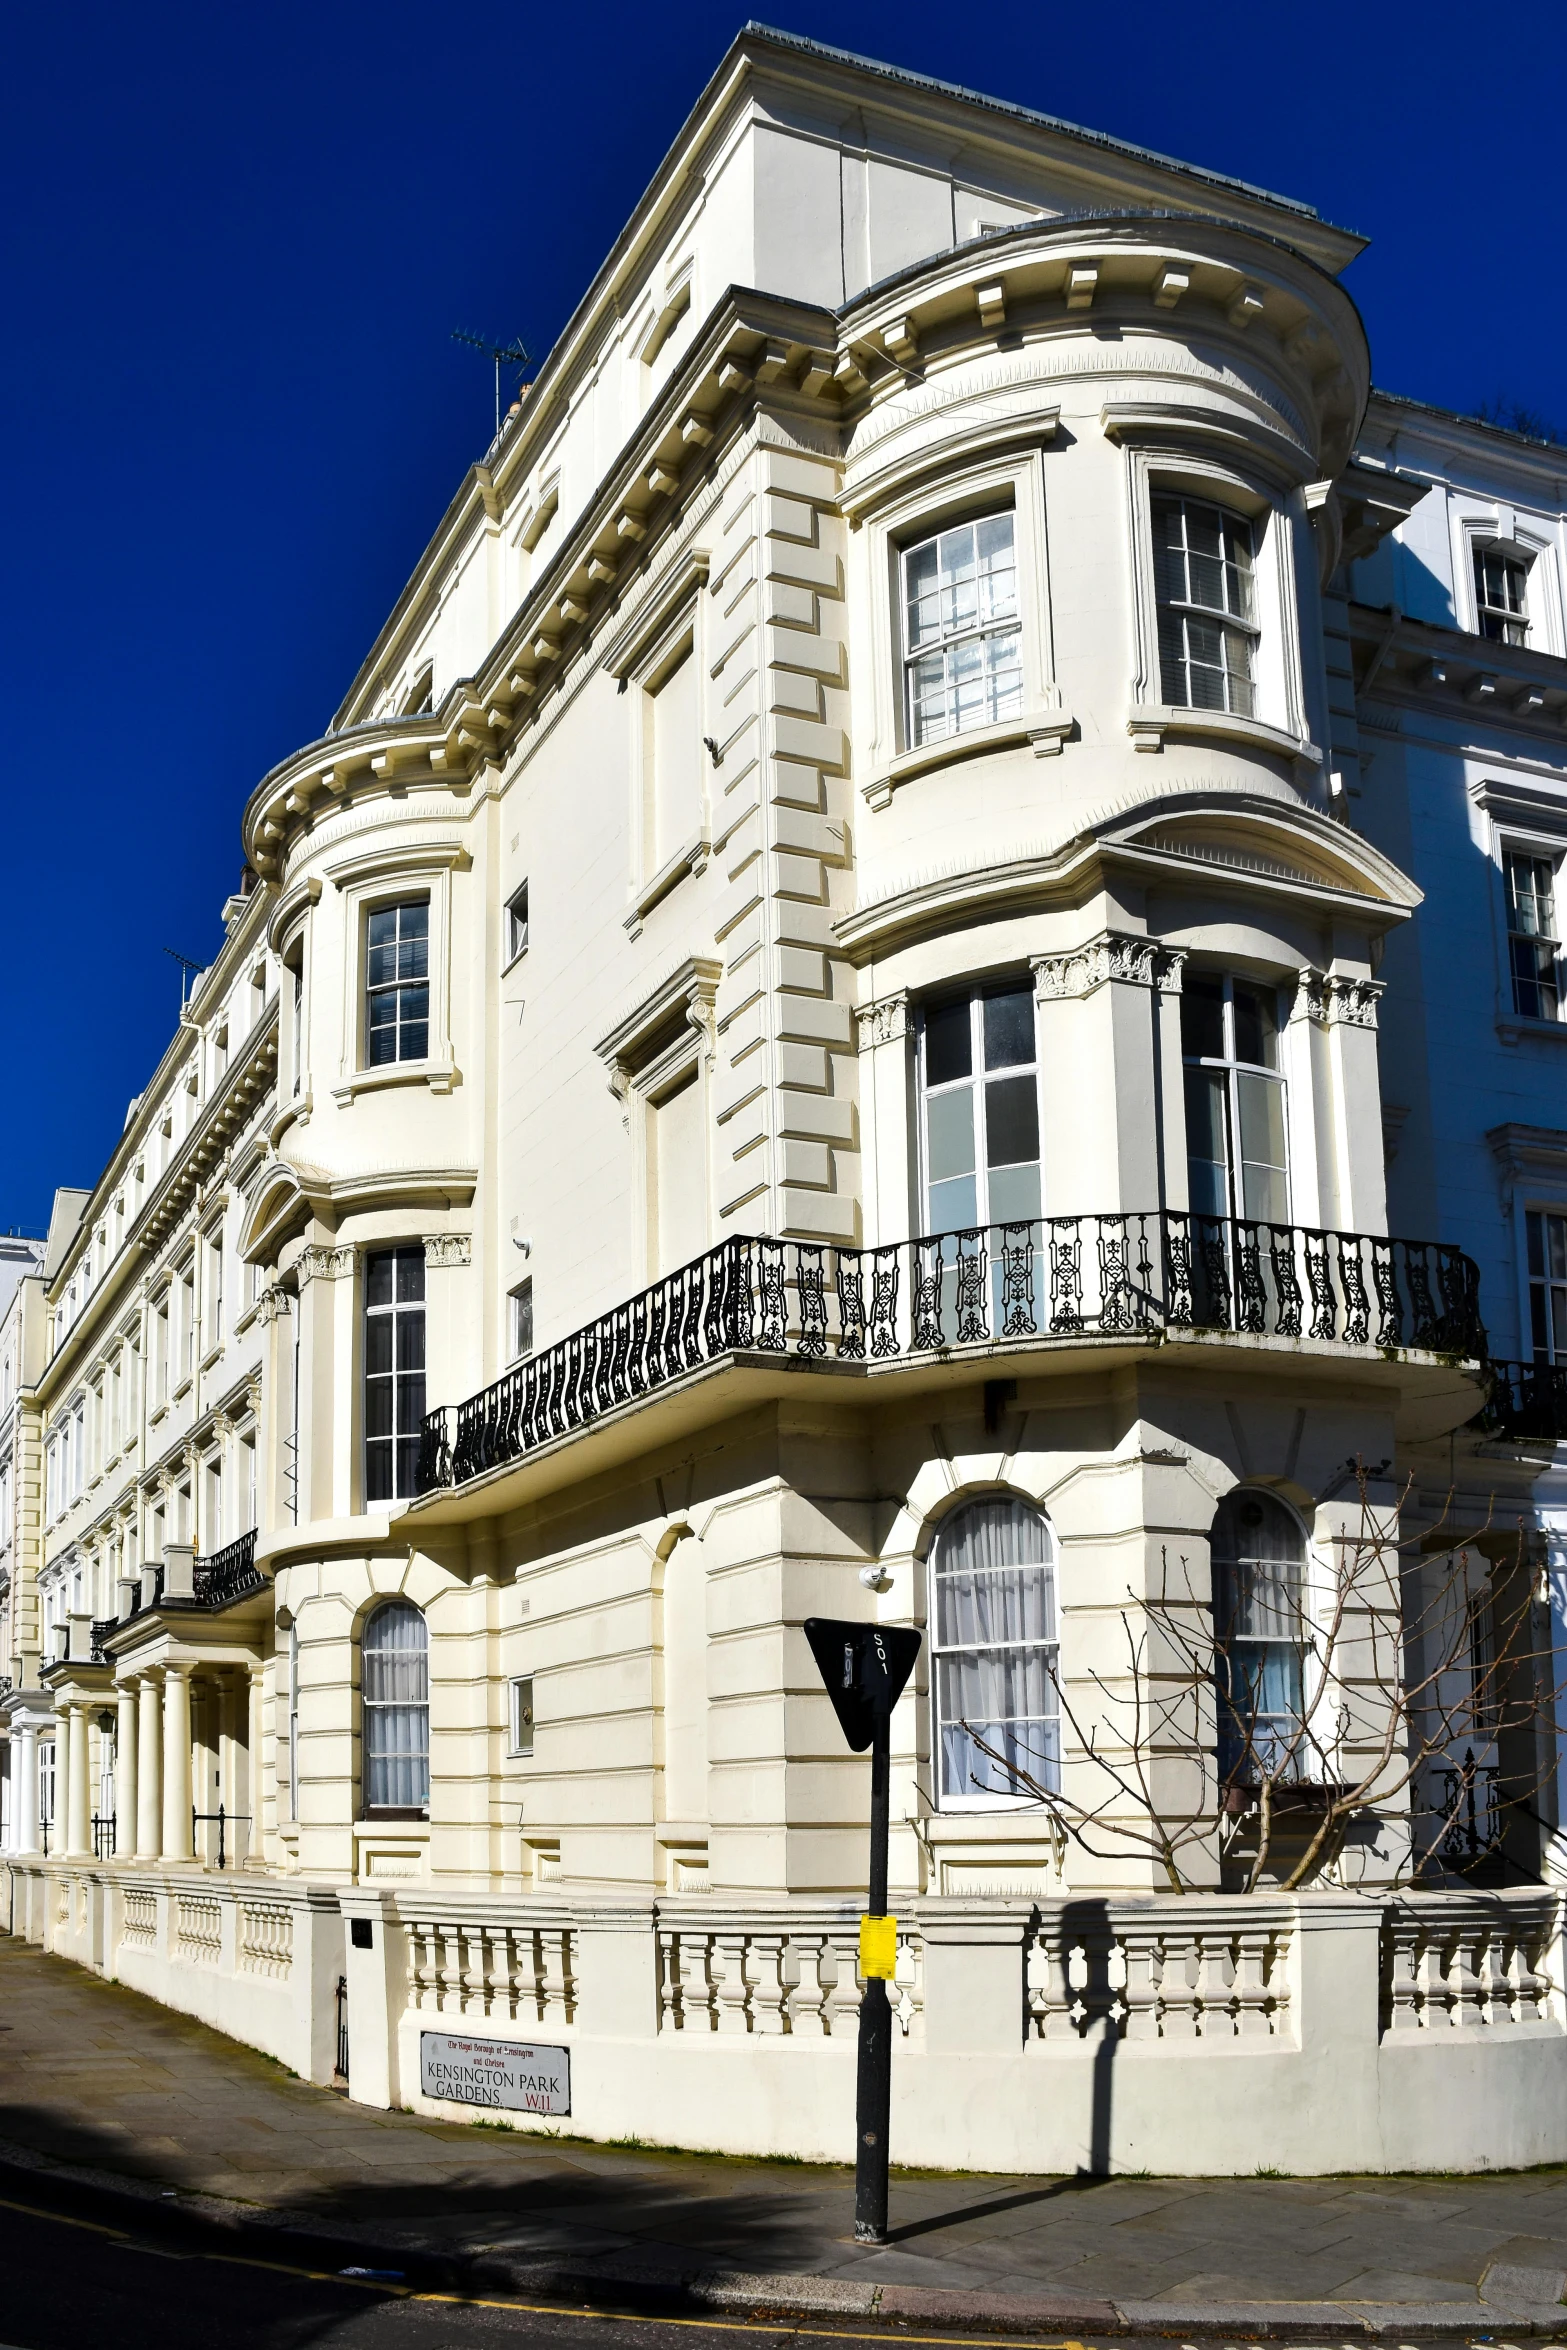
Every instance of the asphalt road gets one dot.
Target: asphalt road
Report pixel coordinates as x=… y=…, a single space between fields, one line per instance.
x=79 y=2269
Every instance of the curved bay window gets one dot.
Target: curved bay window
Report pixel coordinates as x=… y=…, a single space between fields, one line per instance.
x=1235 y=1151
x=994 y=1653
x=1258 y=1549
x=395 y=1655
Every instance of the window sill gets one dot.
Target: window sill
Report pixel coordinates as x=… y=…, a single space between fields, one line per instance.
x=520 y=956
x=181 y=1391
x=214 y=1355
x=1514 y=1031
x=1045 y=728
x=690 y=859
x=439 y=1076
x=1150 y=723
x=370 y=1821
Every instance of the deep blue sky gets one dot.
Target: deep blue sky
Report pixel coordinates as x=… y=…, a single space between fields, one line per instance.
x=236 y=240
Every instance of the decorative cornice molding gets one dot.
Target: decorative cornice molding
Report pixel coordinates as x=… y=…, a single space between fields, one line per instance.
x=448 y=1248
x=1334 y=1001
x=628 y=1047
x=1529 y=1155
x=883 y=1021
x=1112 y=956
x=324 y=1264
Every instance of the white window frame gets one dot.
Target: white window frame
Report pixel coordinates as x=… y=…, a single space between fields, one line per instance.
x=516 y=925
x=974 y=992
x=1512 y=559
x=1184 y=609
x=1509 y=847
x=899 y=513
x=374 y=992
x=520 y=1341
x=1234 y=1069
x=1528 y=539
x=367 y=884
x=1003 y=629
x=391 y=1311
x=1158 y=464
x=982 y=1800
x=520 y=1720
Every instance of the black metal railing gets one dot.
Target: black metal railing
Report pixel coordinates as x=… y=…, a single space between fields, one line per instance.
x=1472 y=1812
x=103 y=1835
x=102 y=1627
x=1149 y=1274
x=1529 y=1400
x=340 y=2064
x=222 y=1819
x=229 y=1574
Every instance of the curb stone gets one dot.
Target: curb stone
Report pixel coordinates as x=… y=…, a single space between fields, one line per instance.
x=619 y=2277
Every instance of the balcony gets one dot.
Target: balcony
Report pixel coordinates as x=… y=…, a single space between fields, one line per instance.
x=1528 y=1401
x=1143 y=1278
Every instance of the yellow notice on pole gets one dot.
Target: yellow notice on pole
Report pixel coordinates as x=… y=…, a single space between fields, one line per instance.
x=878 y=1948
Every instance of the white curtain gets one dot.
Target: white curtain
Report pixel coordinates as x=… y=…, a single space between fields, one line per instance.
x=396 y=1709
x=995 y=1649
x=1258 y=1551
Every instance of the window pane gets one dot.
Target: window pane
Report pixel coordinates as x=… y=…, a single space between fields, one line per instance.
x=954 y=1206
x=378 y=1278
x=949 y=1129
x=949 y=1047
x=1009 y=1028
x=1014 y=1195
x=1207 y=1150
x=1257 y=1025
x=1011 y=1121
x=1202 y=1016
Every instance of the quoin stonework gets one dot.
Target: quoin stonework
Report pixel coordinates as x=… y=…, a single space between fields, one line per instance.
x=919 y=981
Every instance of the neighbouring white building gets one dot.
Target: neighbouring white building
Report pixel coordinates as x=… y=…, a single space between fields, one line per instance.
x=919 y=981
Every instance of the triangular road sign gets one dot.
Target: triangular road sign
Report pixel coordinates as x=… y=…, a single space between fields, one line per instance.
x=864 y=1667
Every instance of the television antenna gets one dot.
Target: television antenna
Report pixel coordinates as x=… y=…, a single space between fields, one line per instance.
x=187 y=964
x=512 y=354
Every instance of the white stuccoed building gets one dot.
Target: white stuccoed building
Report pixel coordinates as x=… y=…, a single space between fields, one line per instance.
x=949 y=710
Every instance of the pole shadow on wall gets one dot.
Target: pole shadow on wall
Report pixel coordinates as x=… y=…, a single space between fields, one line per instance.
x=1086 y=1925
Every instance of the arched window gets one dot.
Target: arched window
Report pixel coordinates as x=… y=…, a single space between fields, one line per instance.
x=993 y=1602
x=1259 y=1559
x=396 y=1652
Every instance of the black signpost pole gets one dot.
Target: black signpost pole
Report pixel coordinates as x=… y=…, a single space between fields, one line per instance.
x=865 y=1669
x=873 y=2096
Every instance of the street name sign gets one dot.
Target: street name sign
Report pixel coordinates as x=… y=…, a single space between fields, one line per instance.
x=512 y=2073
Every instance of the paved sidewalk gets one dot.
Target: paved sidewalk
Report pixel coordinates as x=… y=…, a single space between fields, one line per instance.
x=98 y=2079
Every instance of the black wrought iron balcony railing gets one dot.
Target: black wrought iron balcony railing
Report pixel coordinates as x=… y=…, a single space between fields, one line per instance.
x=1066 y=1277
x=228 y=1574
x=1529 y=1401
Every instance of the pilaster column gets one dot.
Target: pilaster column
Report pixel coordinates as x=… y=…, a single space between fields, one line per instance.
x=24 y=1795
x=78 y=1810
x=127 y=1777
x=149 y=1743
x=177 y=1843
